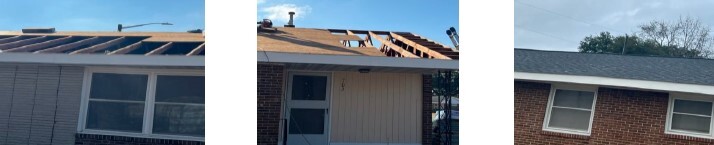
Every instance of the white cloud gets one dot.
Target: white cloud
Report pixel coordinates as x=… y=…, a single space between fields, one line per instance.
x=279 y=13
x=261 y=1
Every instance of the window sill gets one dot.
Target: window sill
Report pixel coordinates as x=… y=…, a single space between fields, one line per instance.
x=141 y=135
x=565 y=135
x=689 y=138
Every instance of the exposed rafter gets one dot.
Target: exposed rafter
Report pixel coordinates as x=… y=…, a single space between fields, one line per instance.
x=22 y=42
x=100 y=46
x=10 y=39
x=421 y=48
x=197 y=50
x=69 y=46
x=126 y=49
x=392 y=46
x=33 y=47
x=160 y=49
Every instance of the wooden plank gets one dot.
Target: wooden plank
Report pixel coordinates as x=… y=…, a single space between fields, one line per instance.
x=421 y=48
x=21 y=42
x=99 y=46
x=10 y=39
x=31 y=47
x=126 y=49
x=197 y=50
x=72 y=45
x=393 y=46
x=161 y=49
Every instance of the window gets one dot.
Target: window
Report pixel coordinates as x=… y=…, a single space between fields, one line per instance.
x=570 y=110
x=690 y=116
x=144 y=103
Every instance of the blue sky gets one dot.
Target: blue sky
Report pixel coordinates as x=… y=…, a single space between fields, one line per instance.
x=102 y=15
x=428 y=18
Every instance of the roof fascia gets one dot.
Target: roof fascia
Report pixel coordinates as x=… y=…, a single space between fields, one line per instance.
x=357 y=60
x=101 y=59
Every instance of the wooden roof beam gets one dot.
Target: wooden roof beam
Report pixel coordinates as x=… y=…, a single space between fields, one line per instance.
x=421 y=48
x=33 y=47
x=393 y=46
x=160 y=49
x=100 y=46
x=126 y=49
x=362 y=43
x=10 y=39
x=197 y=50
x=21 y=42
x=68 y=46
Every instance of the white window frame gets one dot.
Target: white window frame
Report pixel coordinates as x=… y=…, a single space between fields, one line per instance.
x=690 y=97
x=574 y=87
x=149 y=101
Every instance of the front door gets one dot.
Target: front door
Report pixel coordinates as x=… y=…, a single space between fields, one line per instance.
x=308 y=108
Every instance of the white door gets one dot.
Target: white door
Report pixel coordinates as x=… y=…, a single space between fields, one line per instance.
x=307 y=108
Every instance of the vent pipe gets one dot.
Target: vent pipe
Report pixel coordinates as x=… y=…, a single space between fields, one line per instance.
x=290 y=23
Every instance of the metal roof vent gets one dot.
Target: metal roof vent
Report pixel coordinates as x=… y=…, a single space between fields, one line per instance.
x=195 y=31
x=38 y=30
x=290 y=23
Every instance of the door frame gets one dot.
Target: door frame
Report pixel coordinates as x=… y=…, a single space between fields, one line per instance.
x=287 y=96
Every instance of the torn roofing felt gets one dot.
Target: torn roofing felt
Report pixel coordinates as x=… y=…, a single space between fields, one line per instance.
x=108 y=43
x=664 y=69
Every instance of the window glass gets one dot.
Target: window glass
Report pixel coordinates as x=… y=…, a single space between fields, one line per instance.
x=309 y=87
x=307 y=121
x=118 y=86
x=569 y=119
x=180 y=89
x=179 y=120
x=573 y=99
x=117 y=116
x=693 y=107
x=691 y=123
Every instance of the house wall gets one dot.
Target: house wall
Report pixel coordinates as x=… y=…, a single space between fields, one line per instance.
x=621 y=116
x=271 y=79
x=39 y=104
x=377 y=108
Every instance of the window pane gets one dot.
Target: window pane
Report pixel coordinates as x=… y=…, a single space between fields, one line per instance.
x=115 y=116
x=179 y=120
x=307 y=121
x=690 y=123
x=575 y=99
x=569 y=119
x=693 y=107
x=309 y=87
x=180 y=89
x=118 y=86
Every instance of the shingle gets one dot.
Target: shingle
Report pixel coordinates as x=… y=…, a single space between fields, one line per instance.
x=664 y=69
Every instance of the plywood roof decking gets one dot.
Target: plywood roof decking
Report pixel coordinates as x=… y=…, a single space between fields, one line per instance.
x=330 y=42
x=311 y=41
x=109 y=43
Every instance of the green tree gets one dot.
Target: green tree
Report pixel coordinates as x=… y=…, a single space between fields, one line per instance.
x=686 y=38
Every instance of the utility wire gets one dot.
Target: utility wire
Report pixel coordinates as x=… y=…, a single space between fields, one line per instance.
x=548 y=35
x=566 y=16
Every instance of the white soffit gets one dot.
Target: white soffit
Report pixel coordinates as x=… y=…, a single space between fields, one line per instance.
x=100 y=59
x=628 y=83
x=356 y=60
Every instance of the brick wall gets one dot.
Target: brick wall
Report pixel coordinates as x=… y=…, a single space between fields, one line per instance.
x=39 y=104
x=621 y=117
x=270 y=92
x=426 y=110
x=91 y=139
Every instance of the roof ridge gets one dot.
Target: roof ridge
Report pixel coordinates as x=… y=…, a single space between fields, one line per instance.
x=613 y=54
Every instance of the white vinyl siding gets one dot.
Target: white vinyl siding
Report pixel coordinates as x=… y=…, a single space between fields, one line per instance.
x=376 y=107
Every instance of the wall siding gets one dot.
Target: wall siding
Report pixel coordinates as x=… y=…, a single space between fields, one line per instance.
x=621 y=117
x=376 y=108
x=39 y=104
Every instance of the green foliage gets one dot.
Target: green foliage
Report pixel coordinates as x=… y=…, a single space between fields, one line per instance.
x=607 y=43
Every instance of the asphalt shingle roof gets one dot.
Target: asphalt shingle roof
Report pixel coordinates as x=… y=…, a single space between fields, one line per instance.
x=665 y=69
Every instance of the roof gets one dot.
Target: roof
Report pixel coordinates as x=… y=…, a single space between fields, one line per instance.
x=648 y=68
x=332 y=42
x=109 y=43
x=104 y=48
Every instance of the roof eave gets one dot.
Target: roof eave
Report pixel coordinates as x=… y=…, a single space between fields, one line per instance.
x=100 y=59
x=358 y=60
